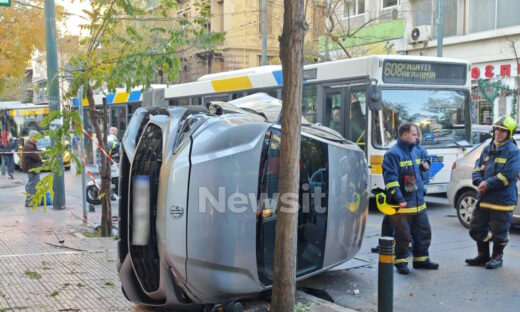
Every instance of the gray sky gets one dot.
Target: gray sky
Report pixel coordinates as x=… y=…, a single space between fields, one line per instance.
x=72 y=22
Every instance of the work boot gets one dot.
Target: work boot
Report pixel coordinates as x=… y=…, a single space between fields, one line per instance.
x=495 y=261
x=402 y=268
x=483 y=255
x=427 y=265
x=480 y=259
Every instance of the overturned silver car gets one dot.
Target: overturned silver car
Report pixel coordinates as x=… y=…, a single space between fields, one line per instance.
x=199 y=196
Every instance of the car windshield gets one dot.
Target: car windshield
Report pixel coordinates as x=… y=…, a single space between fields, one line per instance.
x=440 y=114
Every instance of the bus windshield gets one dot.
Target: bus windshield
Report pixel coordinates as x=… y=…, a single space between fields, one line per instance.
x=440 y=114
x=25 y=120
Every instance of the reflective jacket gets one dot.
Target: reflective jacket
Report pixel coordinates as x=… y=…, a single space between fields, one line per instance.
x=400 y=158
x=499 y=167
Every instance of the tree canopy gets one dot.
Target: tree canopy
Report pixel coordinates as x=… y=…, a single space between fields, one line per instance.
x=130 y=42
x=22 y=29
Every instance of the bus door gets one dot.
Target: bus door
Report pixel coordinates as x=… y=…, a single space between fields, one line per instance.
x=118 y=115
x=346 y=112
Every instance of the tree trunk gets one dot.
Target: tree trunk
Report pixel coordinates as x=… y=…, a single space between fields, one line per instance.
x=291 y=56
x=106 y=212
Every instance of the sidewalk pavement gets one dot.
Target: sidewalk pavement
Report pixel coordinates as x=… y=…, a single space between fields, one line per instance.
x=51 y=261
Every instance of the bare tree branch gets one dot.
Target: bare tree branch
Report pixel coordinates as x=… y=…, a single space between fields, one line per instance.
x=100 y=31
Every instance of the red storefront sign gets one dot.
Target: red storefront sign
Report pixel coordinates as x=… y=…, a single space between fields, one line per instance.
x=491 y=70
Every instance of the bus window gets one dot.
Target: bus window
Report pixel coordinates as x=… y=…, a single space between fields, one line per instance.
x=182 y=101
x=272 y=93
x=118 y=119
x=440 y=114
x=222 y=97
x=333 y=110
x=381 y=130
x=195 y=100
x=132 y=107
x=356 y=124
x=310 y=95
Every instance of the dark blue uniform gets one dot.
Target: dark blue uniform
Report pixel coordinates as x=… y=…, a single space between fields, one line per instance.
x=499 y=167
x=404 y=159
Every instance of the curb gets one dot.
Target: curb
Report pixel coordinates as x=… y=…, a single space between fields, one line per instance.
x=304 y=301
x=312 y=303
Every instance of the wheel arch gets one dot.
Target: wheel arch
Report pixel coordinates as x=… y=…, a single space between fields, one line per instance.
x=461 y=191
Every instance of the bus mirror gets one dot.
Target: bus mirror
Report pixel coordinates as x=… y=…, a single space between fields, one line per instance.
x=374 y=99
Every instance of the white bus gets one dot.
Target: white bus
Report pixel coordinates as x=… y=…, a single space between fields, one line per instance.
x=432 y=92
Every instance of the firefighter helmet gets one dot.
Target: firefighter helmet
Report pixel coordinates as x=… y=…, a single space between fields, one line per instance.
x=385 y=208
x=507 y=123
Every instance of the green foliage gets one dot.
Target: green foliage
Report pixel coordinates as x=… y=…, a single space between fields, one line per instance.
x=485 y=86
x=129 y=43
x=33 y=275
x=61 y=137
x=54 y=293
x=302 y=307
x=110 y=284
x=491 y=90
x=514 y=104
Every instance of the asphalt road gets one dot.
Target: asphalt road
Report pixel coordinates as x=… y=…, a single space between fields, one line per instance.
x=454 y=287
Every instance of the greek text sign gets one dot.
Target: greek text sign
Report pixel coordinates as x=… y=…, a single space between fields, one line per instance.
x=423 y=73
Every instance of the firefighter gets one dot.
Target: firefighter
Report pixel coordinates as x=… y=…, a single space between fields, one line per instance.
x=403 y=170
x=495 y=174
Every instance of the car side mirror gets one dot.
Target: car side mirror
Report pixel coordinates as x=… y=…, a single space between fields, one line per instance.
x=374 y=98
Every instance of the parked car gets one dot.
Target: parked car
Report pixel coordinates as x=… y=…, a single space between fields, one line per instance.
x=461 y=192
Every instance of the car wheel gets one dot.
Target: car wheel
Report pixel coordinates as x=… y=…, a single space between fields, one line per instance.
x=92 y=195
x=465 y=204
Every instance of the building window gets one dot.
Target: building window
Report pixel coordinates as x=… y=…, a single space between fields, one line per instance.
x=425 y=12
x=390 y=3
x=422 y=12
x=353 y=8
x=493 y=14
x=482 y=15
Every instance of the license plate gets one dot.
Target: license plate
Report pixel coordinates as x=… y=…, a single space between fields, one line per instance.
x=43 y=143
x=141 y=211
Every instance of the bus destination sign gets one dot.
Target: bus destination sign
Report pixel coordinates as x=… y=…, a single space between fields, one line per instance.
x=424 y=73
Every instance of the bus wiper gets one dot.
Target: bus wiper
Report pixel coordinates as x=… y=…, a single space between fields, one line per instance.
x=457 y=144
x=445 y=140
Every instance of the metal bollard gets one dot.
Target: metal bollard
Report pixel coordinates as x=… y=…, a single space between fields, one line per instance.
x=385 y=279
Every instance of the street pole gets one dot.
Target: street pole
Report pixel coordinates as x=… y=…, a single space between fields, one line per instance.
x=54 y=93
x=82 y=154
x=264 y=32
x=440 y=29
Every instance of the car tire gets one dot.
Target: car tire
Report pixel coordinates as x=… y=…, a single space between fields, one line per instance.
x=465 y=205
x=92 y=195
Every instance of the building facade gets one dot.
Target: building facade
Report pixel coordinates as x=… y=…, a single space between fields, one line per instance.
x=357 y=28
x=485 y=32
x=240 y=20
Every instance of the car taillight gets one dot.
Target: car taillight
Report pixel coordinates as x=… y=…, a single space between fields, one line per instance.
x=454 y=165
